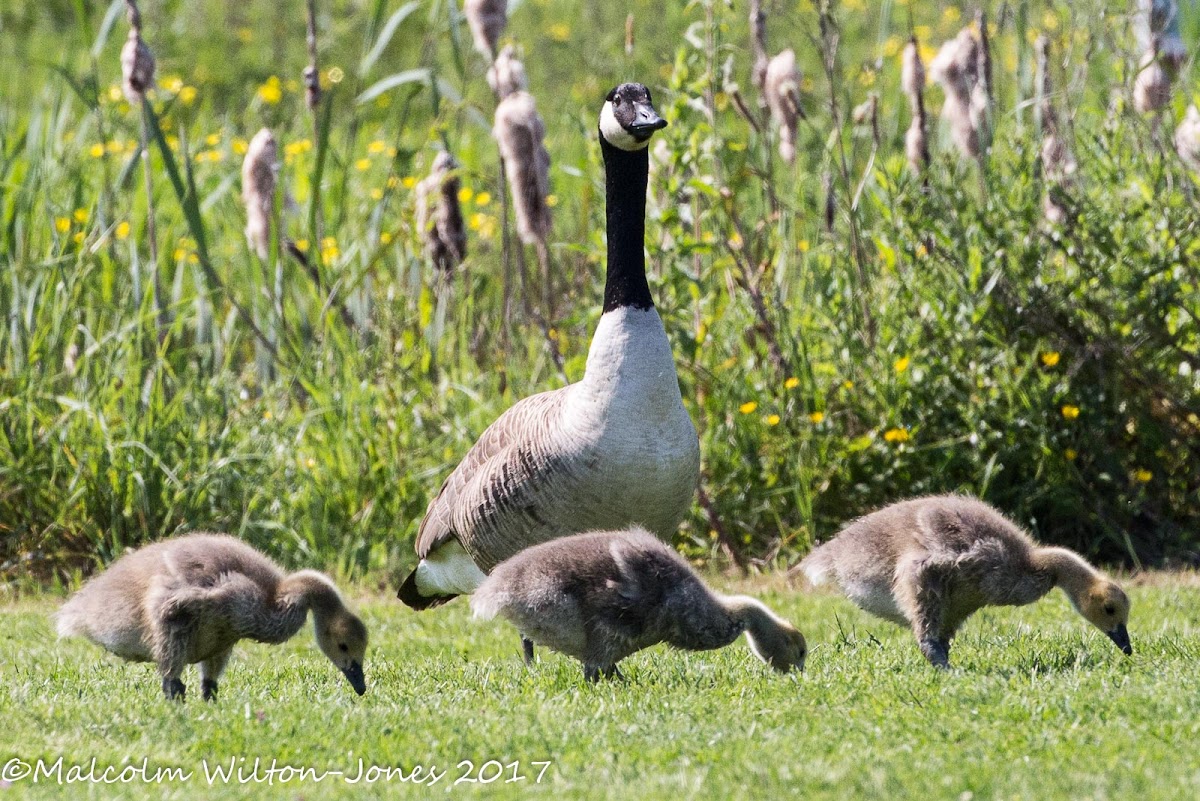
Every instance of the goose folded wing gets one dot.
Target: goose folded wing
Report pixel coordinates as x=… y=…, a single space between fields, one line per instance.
x=493 y=473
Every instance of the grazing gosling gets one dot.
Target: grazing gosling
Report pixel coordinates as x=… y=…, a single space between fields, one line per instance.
x=190 y=599
x=604 y=595
x=930 y=563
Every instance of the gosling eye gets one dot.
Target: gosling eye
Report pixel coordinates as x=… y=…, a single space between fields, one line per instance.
x=616 y=100
x=1109 y=609
x=343 y=647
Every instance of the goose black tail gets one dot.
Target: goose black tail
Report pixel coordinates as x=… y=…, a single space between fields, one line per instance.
x=413 y=598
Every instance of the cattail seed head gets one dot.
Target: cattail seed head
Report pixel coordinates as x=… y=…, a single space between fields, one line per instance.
x=1152 y=87
x=444 y=235
x=1187 y=138
x=912 y=73
x=781 y=87
x=520 y=132
x=758 y=44
x=507 y=74
x=260 y=172
x=137 y=67
x=956 y=68
x=487 y=20
x=916 y=146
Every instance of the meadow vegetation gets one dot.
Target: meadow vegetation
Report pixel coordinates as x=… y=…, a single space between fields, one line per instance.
x=847 y=333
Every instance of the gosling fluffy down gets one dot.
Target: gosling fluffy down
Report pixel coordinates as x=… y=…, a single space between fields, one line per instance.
x=189 y=600
x=602 y=596
x=930 y=563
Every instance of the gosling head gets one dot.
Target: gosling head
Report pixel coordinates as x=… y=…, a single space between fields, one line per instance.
x=343 y=638
x=628 y=118
x=1106 y=606
x=781 y=646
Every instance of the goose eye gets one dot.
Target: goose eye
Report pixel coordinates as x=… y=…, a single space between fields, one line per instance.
x=343 y=647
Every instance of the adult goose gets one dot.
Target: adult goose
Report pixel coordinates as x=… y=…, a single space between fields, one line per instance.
x=604 y=595
x=190 y=599
x=930 y=563
x=616 y=448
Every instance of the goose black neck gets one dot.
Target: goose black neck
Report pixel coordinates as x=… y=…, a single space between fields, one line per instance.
x=626 y=176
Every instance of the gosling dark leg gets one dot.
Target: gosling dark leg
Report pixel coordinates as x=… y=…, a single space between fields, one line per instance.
x=173 y=689
x=527 y=649
x=208 y=689
x=928 y=618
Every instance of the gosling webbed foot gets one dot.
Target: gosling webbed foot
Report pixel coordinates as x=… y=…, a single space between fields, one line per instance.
x=174 y=690
x=208 y=689
x=527 y=649
x=593 y=673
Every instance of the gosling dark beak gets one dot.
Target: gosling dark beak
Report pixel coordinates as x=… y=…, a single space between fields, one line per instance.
x=354 y=675
x=1120 y=635
x=645 y=121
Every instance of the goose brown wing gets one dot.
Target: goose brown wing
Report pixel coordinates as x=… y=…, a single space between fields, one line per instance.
x=495 y=468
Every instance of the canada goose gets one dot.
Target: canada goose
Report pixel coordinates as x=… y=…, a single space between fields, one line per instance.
x=614 y=449
x=190 y=599
x=930 y=563
x=604 y=595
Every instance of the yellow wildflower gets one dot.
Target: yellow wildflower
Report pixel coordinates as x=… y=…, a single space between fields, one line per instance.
x=377 y=147
x=1070 y=412
x=901 y=364
x=122 y=231
x=1050 y=358
x=62 y=224
x=896 y=435
x=271 y=92
x=816 y=418
x=772 y=419
x=551 y=200
x=329 y=249
x=187 y=95
x=1143 y=476
x=847 y=384
x=301 y=245
x=748 y=407
x=408 y=182
x=791 y=383
x=802 y=246
x=482 y=199
x=81 y=216
x=385 y=237
x=465 y=194
x=559 y=32
x=1070 y=454
x=96 y=151
x=362 y=165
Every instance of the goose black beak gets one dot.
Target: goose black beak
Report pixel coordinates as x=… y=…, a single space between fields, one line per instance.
x=645 y=121
x=354 y=675
x=1120 y=635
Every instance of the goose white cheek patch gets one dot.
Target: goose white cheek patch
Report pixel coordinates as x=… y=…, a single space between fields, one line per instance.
x=615 y=133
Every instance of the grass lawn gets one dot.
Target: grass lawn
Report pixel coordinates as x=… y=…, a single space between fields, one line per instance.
x=1040 y=706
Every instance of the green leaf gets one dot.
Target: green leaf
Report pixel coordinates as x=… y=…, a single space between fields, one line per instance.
x=385 y=36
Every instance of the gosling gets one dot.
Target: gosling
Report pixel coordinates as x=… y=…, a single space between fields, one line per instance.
x=930 y=563
x=190 y=599
x=602 y=596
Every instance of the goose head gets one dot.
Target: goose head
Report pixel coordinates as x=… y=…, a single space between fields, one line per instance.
x=781 y=646
x=628 y=118
x=1105 y=606
x=342 y=637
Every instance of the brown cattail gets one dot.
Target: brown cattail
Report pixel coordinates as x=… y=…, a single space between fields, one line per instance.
x=507 y=74
x=1058 y=163
x=781 y=88
x=1163 y=53
x=520 y=132
x=758 y=44
x=444 y=235
x=956 y=68
x=260 y=172
x=1187 y=138
x=137 y=62
x=912 y=82
x=487 y=19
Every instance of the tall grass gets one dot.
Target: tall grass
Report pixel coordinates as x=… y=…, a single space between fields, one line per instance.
x=920 y=339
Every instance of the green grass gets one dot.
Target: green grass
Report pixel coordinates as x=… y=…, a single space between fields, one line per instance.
x=1039 y=706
